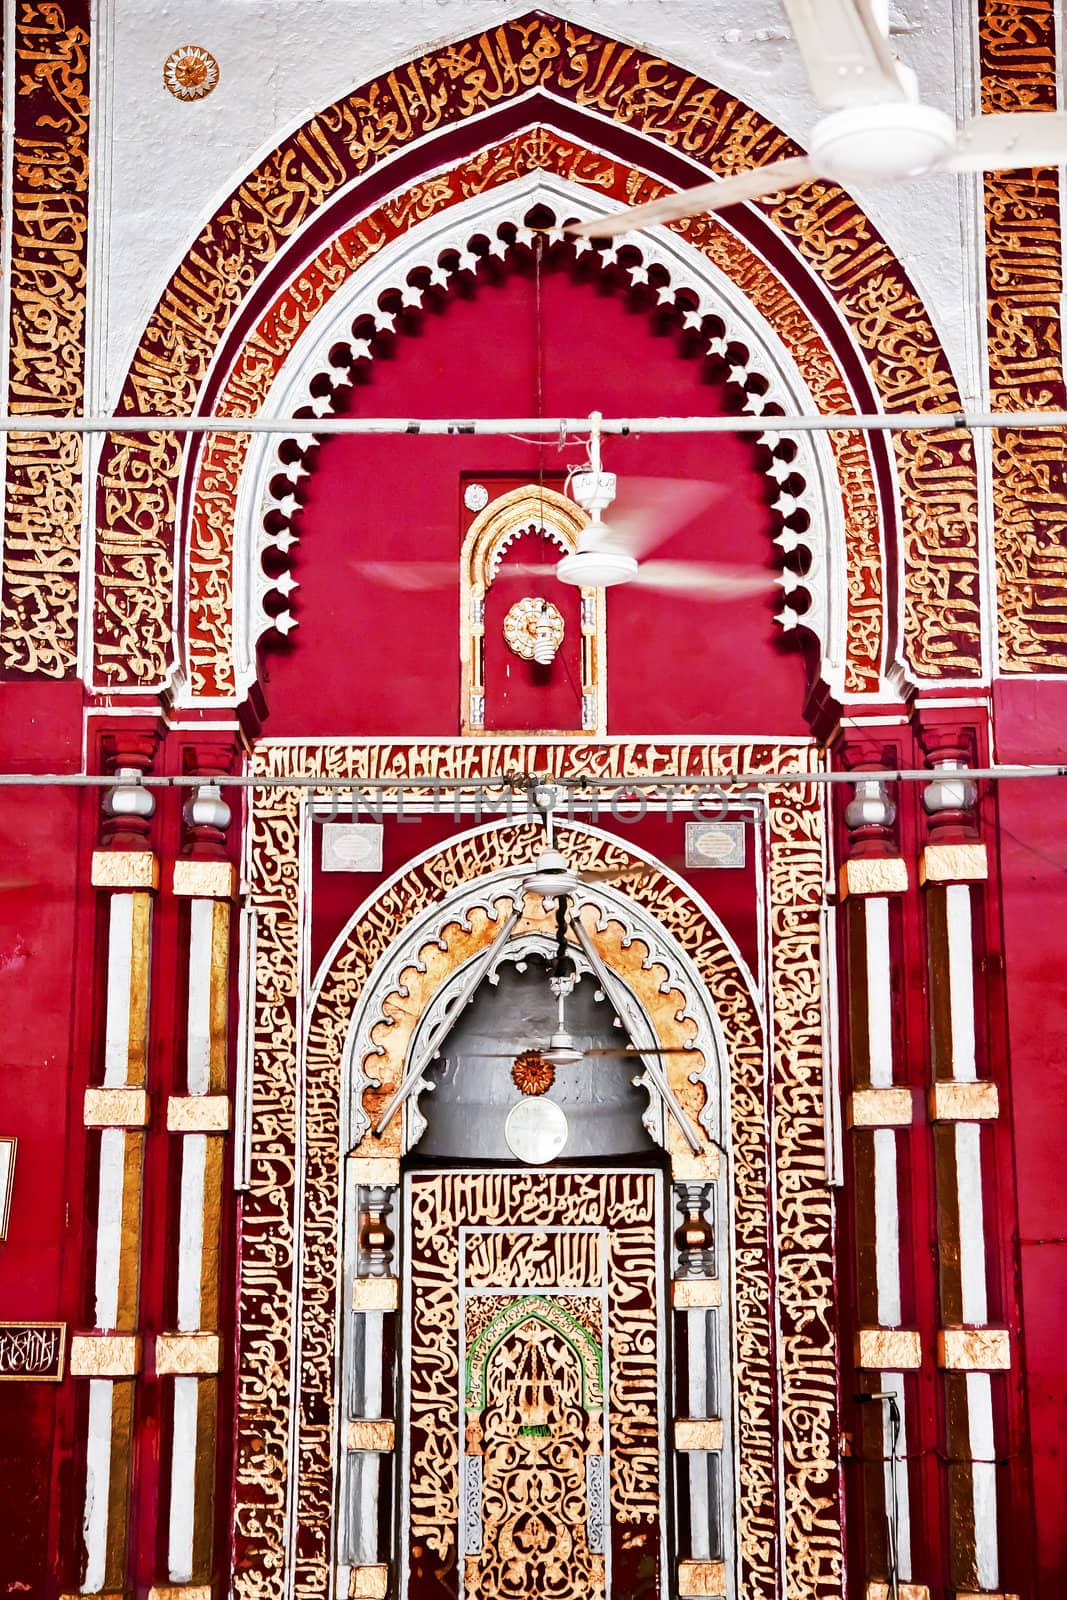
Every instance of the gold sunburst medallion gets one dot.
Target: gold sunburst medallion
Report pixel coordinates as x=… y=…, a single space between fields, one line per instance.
x=532 y=1074
x=190 y=72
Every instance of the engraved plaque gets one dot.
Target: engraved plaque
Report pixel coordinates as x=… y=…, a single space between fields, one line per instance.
x=32 y=1352
x=351 y=847
x=715 y=844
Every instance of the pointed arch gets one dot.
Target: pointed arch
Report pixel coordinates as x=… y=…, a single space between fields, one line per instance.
x=665 y=128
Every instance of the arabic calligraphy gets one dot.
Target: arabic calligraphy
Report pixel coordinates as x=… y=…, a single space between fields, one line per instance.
x=1024 y=283
x=32 y=1350
x=43 y=504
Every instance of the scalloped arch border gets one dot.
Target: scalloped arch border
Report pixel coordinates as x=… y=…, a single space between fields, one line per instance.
x=314 y=369
x=639 y=95
x=794 y=497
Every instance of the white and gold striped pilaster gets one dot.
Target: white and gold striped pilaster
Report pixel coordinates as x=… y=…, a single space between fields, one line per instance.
x=879 y=1107
x=109 y=1356
x=201 y=1117
x=968 y=1350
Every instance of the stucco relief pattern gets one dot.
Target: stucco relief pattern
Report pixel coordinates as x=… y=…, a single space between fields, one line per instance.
x=617 y=82
x=50 y=199
x=268 y=1333
x=515 y=1479
x=1024 y=282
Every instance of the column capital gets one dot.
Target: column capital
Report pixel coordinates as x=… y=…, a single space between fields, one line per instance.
x=127 y=752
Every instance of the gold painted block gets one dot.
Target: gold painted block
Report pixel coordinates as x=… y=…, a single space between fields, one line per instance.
x=698 y=1433
x=375 y=1294
x=179 y=1591
x=198 y=1113
x=368 y=1583
x=371 y=1433
x=703 y=1168
x=374 y=1169
x=949 y=1101
x=116 y=1108
x=984 y=1594
x=974 y=1349
x=690 y=1294
x=953 y=863
x=878 y=1590
x=888 y=1350
x=125 y=869
x=881 y=1108
x=873 y=875
x=701 y=1577
x=188 y=1355
x=205 y=880
x=105 y=1355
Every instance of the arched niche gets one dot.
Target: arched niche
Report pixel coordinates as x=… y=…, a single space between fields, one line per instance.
x=779 y=1233
x=533 y=511
x=417 y=981
x=820 y=491
x=660 y=998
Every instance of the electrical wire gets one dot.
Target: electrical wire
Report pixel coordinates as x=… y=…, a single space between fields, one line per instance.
x=697 y=785
x=310 y=427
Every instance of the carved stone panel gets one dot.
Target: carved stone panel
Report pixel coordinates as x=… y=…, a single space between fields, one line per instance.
x=533 y=1402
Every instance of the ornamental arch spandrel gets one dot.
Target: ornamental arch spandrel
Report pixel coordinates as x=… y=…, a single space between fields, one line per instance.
x=296 y=1151
x=654 y=120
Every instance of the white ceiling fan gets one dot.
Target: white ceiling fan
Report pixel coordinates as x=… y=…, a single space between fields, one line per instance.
x=876 y=129
x=643 y=515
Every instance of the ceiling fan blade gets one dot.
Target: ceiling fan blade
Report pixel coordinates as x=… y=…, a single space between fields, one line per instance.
x=655 y=1050
x=1011 y=139
x=750 y=185
x=847 y=57
x=422 y=576
x=703 y=580
x=601 y=1053
x=414 y=576
x=646 y=511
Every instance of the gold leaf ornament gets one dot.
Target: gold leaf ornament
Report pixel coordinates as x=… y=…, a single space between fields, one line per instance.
x=190 y=72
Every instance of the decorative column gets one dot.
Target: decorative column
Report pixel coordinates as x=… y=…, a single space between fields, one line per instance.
x=873 y=877
x=698 y=1430
x=970 y=1352
x=191 y=1353
x=108 y=1355
x=369 y=1424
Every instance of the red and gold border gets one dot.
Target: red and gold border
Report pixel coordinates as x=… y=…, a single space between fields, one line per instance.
x=792 y=1118
x=49 y=225
x=1024 y=283
x=292 y=311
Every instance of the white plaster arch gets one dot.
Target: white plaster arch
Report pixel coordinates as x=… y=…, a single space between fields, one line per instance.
x=610 y=904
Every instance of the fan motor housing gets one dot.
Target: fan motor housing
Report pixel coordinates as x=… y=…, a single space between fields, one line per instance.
x=870 y=143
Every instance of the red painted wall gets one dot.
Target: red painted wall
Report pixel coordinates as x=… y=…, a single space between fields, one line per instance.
x=674 y=662
x=43 y=906
x=1030 y=721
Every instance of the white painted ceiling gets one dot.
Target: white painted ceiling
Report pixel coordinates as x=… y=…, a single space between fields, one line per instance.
x=162 y=165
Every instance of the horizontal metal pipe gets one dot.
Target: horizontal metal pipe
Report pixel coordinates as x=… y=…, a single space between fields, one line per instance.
x=547 y=427
x=518 y=783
